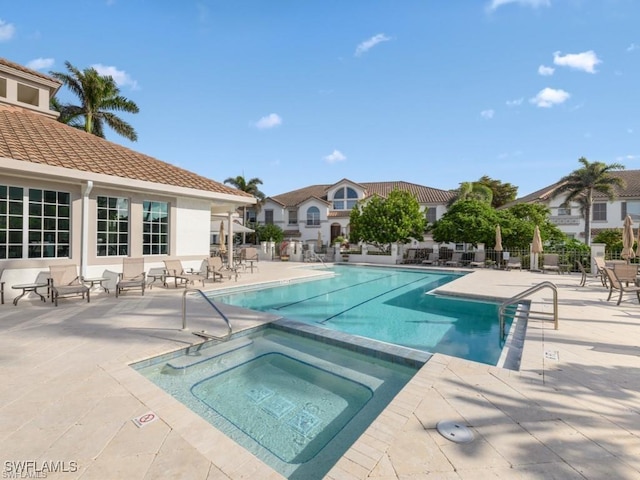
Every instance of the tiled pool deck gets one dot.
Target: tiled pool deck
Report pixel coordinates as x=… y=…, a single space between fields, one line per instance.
x=572 y=411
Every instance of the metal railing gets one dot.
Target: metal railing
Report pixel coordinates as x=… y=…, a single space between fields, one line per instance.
x=511 y=305
x=214 y=306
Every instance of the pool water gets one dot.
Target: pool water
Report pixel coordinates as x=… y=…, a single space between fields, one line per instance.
x=295 y=402
x=392 y=305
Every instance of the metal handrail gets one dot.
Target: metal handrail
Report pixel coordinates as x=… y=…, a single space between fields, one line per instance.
x=524 y=294
x=213 y=305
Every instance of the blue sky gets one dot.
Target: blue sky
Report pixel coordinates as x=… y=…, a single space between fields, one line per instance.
x=305 y=92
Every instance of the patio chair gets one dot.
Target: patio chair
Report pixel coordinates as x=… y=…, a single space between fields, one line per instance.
x=432 y=259
x=550 y=263
x=133 y=275
x=64 y=280
x=456 y=260
x=214 y=268
x=411 y=256
x=479 y=259
x=626 y=272
x=616 y=284
x=514 y=262
x=600 y=266
x=175 y=270
x=586 y=275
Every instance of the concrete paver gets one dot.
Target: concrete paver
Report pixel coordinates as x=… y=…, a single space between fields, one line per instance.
x=571 y=411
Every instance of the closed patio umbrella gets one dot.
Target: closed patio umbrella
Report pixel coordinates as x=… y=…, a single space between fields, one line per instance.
x=627 y=239
x=319 y=246
x=638 y=246
x=536 y=248
x=498 y=247
x=223 y=248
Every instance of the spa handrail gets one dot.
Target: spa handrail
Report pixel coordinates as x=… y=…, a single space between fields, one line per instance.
x=213 y=305
x=513 y=300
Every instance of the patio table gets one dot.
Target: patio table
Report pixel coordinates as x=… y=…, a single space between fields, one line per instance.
x=28 y=287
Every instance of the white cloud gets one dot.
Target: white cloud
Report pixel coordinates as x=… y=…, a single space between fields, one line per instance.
x=545 y=71
x=40 y=63
x=585 y=61
x=488 y=114
x=629 y=130
x=370 y=43
x=548 y=97
x=515 y=103
x=527 y=3
x=627 y=158
x=632 y=47
x=7 y=31
x=121 y=77
x=336 y=156
x=270 y=121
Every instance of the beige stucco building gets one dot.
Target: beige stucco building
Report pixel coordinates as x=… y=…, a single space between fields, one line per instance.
x=69 y=196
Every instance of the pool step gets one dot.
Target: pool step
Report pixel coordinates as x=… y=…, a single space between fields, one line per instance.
x=178 y=366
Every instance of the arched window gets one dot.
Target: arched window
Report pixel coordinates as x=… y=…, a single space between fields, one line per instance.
x=313 y=216
x=341 y=194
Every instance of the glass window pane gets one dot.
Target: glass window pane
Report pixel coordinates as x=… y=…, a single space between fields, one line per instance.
x=14 y=222
x=35 y=195
x=63 y=211
x=15 y=251
x=50 y=196
x=3 y=207
x=3 y=191
x=101 y=202
x=15 y=208
x=63 y=198
x=49 y=223
x=63 y=224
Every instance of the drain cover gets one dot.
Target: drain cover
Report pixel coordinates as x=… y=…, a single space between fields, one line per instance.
x=454 y=431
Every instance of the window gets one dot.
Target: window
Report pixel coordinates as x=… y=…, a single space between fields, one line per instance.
x=28 y=95
x=293 y=217
x=599 y=212
x=155 y=228
x=431 y=214
x=346 y=196
x=631 y=208
x=11 y=220
x=3 y=87
x=268 y=217
x=251 y=216
x=564 y=211
x=313 y=217
x=49 y=223
x=113 y=226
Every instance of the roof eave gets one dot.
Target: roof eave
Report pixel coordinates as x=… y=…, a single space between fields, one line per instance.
x=67 y=175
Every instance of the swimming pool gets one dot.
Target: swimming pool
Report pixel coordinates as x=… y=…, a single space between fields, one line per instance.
x=392 y=305
x=295 y=402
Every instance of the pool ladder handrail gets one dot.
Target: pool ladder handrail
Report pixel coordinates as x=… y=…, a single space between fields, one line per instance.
x=511 y=302
x=213 y=305
x=318 y=258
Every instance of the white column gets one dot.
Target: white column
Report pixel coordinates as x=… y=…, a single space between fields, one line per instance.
x=84 y=229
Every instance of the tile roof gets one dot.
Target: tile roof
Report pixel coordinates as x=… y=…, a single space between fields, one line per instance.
x=37 y=139
x=16 y=66
x=631 y=189
x=423 y=194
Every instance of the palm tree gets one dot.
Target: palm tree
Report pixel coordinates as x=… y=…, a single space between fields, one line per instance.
x=99 y=96
x=472 y=191
x=580 y=185
x=250 y=187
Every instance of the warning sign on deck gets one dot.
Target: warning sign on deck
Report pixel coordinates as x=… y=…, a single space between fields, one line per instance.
x=144 y=419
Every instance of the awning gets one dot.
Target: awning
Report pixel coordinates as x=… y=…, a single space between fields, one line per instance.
x=237 y=228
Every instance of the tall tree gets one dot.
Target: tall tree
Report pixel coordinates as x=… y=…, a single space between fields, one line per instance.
x=250 y=187
x=99 y=97
x=580 y=185
x=383 y=221
x=472 y=191
x=503 y=193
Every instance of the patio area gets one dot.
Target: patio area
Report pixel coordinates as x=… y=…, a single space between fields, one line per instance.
x=572 y=411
